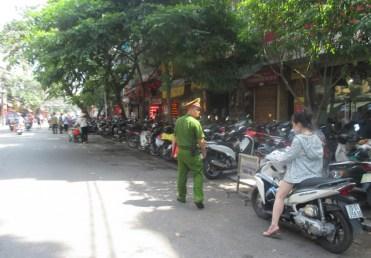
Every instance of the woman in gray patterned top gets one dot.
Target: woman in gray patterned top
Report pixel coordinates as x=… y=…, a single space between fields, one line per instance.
x=304 y=160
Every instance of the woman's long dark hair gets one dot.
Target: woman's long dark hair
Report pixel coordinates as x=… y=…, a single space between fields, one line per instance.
x=304 y=117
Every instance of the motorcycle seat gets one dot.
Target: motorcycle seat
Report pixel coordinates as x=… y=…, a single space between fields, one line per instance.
x=319 y=182
x=226 y=144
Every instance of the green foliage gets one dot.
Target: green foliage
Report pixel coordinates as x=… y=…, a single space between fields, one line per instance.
x=19 y=84
x=77 y=45
x=81 y=48
x=312 y=28
x=318 y=34
x=198 y=39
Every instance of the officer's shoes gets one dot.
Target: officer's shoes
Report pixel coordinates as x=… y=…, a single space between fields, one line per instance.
x=199 y=205
x=180 y=200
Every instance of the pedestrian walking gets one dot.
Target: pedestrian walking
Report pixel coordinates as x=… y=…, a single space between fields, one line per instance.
x=54 y=123
x=83 y=123
x=189 y=138
x=38 y=120
x=61 y=123
x=66 y=123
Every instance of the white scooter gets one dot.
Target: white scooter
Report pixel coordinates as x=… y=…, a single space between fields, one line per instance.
x=20 y=129
x=223 y=158
x=320 y=207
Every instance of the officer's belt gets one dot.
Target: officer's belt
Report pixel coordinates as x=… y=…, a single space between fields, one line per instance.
x=185 y=147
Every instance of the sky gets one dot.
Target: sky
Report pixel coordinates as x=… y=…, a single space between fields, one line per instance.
x=10 y=9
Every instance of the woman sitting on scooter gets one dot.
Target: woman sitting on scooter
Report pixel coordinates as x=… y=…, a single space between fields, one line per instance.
x=304 y=160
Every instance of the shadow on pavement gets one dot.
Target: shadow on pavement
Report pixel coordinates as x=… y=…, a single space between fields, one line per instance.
x=15 y=247
x=219 y=230
x=225 y=228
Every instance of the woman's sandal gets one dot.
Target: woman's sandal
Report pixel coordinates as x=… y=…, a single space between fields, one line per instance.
x=271 y=232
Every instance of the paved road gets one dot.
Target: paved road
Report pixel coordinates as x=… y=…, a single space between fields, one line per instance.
x=103 y=200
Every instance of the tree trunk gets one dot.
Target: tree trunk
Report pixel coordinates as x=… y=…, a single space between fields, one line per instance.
x=168 y=81
x=120 y=104
x=100 y=111
x=143 y=97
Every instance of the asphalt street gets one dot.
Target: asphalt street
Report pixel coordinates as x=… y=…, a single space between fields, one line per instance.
x=104 y=200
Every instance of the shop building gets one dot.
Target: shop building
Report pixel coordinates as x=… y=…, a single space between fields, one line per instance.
x=262 y=96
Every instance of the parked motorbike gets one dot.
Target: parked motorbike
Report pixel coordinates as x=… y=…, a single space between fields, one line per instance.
x=216 y=130
x=222 y=156
x=145 y=136
x=167 y=137
x=93 y=126
x=133 y=134
x=359 y=172
x=104 y=127
x=119 y=129
x=156 y=142
x=319 y=207
x=275 y=128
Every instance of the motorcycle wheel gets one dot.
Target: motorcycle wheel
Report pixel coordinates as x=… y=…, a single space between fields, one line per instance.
x=258 y=205
x=165 y=153
x=210 y=171
x=343 y=236
x=132 y=142
x=152 y=150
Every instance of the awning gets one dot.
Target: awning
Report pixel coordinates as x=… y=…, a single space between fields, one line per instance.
x=247 y=71
x=177 y=89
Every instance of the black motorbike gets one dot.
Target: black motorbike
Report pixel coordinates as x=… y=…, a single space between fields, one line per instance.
x=133 y=132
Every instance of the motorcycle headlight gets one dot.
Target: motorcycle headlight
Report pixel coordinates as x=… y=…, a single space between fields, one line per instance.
x=337 y=173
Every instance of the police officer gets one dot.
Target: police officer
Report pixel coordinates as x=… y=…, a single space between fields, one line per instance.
x=189 y=137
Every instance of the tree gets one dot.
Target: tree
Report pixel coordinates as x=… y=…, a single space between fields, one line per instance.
x=79 y=47
x=198 y=40
x=324 y=36
x=20 y=85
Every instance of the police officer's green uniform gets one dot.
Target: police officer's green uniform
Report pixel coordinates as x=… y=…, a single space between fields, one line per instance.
x=188 y=132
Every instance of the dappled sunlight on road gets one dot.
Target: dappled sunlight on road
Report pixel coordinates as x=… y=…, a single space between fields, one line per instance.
x=87 y=217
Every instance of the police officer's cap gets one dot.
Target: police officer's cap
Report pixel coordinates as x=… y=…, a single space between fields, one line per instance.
x=193 y=103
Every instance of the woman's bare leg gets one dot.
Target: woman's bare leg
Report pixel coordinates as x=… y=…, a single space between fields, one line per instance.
x=283 y=190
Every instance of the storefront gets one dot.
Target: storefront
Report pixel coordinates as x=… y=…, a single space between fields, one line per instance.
x=262 y=96
x=352 y=100
x=140 y=99
x=181 y=92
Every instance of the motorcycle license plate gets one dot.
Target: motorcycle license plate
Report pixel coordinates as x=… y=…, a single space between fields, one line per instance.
x=354 y=211
x=366 y=178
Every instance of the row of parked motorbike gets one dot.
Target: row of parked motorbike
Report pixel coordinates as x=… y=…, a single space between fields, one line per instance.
x=325 y=209
x=346 y=155
x=349 y=157
x=153 y=137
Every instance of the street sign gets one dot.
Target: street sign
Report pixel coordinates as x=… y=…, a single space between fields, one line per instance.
x=247 y=166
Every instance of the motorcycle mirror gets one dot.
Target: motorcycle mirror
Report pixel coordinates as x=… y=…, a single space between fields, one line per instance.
x=356 y=127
